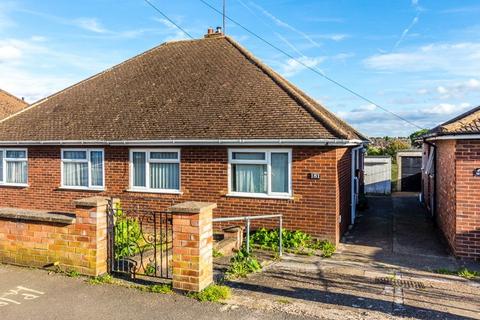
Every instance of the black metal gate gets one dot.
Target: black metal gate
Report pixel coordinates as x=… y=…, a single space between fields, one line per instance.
x=139 y=242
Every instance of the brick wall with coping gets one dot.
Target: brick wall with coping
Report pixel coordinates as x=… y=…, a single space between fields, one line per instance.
x=458 y=195
x=80 y=246
x=314 y=208
x=445 y=190
x=467 y=193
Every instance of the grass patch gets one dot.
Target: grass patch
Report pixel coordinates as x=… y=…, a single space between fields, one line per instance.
x=212 y=293
x=103 y=279
x=72 y=273
x=216 y=253
x=463 y=272
x=283 y=301
x=160 y=288
x=394 y=176
x=297 y=242
x=242 y=264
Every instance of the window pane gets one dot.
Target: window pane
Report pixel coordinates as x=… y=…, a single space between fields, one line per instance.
x=250 y=178
x=75 y=155
x=16 y=172
x=279 y=172
x=96 y=158
x=1 y=166
x=248 y=155
x=75 y=174
x=163 y=155
x=164 y=176
x=16 y=154
x=139 y=169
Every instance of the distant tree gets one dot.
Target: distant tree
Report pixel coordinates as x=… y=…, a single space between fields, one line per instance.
x=414 y=136
x=375 y=151
x=395 y=145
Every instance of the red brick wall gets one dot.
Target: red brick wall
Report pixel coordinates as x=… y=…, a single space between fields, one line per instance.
x=314 y=209
x=344 y=157
x=468 y=199
x=445 y=189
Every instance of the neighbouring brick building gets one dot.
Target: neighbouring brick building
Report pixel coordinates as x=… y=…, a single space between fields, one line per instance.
x=10 y=104
x=451 y=181
x=200 y=120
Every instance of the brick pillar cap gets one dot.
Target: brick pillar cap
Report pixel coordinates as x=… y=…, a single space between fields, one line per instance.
x=96 y=201
x=192 y=207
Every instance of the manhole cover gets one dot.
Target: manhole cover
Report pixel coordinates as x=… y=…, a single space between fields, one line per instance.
x=400 y=283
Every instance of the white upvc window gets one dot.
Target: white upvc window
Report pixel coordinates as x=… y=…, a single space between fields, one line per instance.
x=83 y=169
x=14 y=167
x=155 y=170
x=263 y=173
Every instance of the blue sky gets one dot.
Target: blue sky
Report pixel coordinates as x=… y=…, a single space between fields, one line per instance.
x=418 y=58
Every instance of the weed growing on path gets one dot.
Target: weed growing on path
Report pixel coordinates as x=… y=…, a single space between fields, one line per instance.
x=212 y=293
x=103 y=279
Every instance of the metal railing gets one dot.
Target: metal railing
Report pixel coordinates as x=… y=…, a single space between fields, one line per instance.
x=247 y=220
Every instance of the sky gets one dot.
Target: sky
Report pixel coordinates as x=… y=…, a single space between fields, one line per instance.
x=420 y=59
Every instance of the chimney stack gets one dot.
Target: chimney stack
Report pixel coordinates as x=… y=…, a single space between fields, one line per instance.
x=211 y=33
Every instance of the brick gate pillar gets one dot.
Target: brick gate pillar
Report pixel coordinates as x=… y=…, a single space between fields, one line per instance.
x=192 y=245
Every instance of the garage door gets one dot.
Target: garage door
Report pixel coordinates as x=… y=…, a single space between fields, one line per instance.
x=411 y=173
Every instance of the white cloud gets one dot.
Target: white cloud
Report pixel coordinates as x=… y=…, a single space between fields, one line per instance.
x=293 y=66
x=9 y=52
x=285 y=25
x=453 y=89
x=433 y=57
x=90 y=24
x=406 y=31
x=174 y=32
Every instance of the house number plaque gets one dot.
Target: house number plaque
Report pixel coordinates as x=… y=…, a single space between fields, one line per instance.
x=314 y=175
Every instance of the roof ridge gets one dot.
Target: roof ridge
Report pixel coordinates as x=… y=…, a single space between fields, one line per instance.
x=294 y=92
x=13 y=96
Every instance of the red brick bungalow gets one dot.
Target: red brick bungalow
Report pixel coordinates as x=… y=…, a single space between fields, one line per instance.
x=451 y=181
x=10 y=104
x=199 y=120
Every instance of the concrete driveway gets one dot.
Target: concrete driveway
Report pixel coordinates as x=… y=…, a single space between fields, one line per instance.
x=382 y=270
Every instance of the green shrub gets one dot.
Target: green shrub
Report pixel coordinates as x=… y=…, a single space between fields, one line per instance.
x=242 y=264
x=212 y=293
x=127 y=234
x=328 y=249
x=292 y=241
x=463 y=272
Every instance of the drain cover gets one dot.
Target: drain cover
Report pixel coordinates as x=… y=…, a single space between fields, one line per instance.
x=400 y=283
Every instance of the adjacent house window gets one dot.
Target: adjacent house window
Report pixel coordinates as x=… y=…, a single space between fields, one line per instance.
x=259 y=172
x=13 y=167
x=155 y=170
x=83 y=168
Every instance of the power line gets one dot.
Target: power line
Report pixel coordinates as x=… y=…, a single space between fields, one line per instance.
x=318 y=72
x=170 y=20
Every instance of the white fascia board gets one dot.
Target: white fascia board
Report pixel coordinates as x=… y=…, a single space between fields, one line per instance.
x=227 y=142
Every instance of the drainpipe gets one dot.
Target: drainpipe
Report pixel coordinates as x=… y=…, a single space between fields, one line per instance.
x=434 y=194
x=354 y=184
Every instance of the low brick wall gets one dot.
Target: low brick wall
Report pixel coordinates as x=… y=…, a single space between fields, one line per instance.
x=80 y=244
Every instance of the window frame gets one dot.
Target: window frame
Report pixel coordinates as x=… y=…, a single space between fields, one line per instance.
x=4 y=160
x=148 y=160
x=89 y=169
x=268 y=161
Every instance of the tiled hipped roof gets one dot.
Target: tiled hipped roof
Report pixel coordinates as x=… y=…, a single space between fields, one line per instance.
x=467 y=123
x=9 y=104
x=197 y=89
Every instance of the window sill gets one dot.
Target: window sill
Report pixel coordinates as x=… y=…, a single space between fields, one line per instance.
x=178 y=192
x=81 y=189
x=14 y=185
x=259 y=196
